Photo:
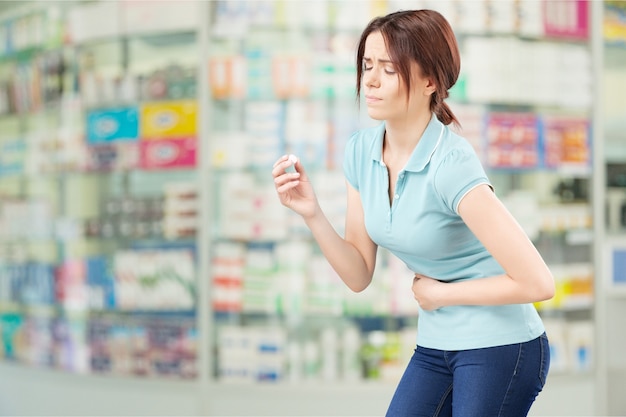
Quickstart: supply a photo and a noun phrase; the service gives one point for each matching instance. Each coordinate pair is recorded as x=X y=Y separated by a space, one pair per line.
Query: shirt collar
x=423 y=151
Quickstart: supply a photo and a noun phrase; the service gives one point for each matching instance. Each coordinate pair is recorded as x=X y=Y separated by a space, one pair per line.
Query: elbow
x=546 y=294
x=360 y=286
x=546 y=290
x=357 y=288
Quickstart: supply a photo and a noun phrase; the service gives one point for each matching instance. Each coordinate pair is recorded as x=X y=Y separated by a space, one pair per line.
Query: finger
x=280 y=166
x=283 y=163
x=286 y=178
x=287 y=186
x=279 y=160
x=300 y=169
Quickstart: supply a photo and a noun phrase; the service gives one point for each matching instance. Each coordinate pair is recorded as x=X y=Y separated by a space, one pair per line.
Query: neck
x=402 y=136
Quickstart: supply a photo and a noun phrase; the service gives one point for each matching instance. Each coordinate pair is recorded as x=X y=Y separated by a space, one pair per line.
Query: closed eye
x=389 y=68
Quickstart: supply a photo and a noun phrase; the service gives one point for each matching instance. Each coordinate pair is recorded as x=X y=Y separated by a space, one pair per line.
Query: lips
x=372 y=99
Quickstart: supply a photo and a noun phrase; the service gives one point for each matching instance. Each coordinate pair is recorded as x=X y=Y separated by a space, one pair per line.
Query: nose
x=370 y=78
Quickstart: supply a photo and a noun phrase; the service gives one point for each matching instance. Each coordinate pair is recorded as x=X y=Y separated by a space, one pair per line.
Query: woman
x=418 y=189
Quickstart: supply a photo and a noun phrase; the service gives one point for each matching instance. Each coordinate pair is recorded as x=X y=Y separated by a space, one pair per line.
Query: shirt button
x=396 y=196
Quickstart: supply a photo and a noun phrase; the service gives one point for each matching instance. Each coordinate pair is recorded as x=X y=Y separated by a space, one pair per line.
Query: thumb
x=300 y=169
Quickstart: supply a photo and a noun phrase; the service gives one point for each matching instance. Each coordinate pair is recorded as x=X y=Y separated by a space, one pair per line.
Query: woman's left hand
x=427 y=291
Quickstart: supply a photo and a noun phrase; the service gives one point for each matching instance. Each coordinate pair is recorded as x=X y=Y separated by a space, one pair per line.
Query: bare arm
x=526 y=279
x=352 y=257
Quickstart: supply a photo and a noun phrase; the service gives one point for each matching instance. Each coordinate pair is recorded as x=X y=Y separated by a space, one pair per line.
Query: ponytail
x=442 y=110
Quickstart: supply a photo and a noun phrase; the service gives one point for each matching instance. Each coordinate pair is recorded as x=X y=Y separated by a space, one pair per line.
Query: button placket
x=399 y=186
x=386 y=177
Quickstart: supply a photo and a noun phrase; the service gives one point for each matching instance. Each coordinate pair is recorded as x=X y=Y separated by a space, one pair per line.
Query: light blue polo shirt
x=422 y=227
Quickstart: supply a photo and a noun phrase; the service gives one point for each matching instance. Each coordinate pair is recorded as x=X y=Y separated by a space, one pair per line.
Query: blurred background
x=146 y=266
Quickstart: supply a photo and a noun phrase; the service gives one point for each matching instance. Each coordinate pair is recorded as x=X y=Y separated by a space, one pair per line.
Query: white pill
x=293 y=159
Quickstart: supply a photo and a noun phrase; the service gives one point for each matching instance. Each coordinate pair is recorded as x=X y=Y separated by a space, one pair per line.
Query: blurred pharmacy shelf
x=610 y=210
x=146 y=266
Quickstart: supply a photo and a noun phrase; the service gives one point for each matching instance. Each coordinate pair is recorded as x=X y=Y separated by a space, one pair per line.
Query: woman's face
x=385 y=92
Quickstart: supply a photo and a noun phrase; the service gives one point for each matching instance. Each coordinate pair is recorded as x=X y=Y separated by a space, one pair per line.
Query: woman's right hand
x=294 y=188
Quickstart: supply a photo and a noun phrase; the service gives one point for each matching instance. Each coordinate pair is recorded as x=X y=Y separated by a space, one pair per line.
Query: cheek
x=400 y=94
x=396 y=86
x=400 y=102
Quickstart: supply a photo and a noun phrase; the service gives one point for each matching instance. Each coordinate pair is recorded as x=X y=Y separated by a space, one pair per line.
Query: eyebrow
x=387 y=61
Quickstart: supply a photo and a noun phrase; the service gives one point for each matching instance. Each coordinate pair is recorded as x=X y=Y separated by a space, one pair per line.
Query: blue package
x=113 y=125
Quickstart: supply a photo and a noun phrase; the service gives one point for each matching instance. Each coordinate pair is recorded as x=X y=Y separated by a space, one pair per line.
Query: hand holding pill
x=293 y=160
x=293 y=186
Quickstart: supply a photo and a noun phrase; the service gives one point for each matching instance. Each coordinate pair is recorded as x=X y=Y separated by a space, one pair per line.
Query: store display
x=78 y=127
x=168 y=153
x=113 y=125
x=143 y=347
x=568 y=20
x=614 y=28
x=567 y=143
x=619 y=266
x=99 y=102
x=513 y=140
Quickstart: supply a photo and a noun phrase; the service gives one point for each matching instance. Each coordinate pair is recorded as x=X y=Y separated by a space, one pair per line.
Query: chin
x=373 y=114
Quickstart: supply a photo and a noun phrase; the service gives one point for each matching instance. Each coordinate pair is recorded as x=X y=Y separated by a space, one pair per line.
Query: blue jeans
x=501 y=381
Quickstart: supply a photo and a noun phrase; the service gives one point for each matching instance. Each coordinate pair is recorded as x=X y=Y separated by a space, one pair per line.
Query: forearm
x=495 y=290
x=344 y=257
x=526 y=276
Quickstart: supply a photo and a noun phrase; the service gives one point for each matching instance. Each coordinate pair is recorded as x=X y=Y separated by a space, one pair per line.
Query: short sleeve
x=459 y=172
x=350 y=159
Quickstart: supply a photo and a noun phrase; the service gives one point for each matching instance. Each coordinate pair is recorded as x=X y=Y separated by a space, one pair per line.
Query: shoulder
x=453 y=152
x=452 y=144
x=364 y=144
x=457 y=169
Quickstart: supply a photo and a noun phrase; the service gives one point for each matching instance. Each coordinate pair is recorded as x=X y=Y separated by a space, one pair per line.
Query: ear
x=429 y=87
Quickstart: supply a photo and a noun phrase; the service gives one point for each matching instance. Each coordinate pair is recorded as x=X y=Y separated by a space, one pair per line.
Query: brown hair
x=424 y=37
